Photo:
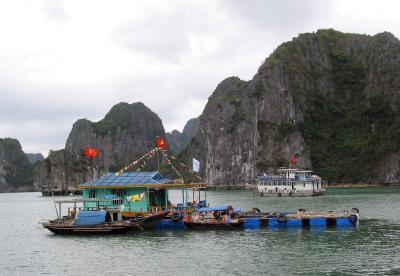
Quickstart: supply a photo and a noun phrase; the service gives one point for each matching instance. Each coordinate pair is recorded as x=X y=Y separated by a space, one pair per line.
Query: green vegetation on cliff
x=351 y=128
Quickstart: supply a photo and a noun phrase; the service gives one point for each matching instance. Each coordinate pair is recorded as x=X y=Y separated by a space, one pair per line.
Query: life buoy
x=235 y=215
x=217 y=215
x=176 y=216
x=281 y=218
x=353 y=219
x=188 y=218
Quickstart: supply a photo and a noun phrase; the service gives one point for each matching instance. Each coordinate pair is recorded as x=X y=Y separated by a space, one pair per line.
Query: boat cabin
x=291 y=182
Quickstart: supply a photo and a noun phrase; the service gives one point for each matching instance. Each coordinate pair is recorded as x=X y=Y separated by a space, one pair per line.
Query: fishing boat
x=150 y=221
x=209 y=218
x=289 y=182
x=91 y=222
x=98 y=215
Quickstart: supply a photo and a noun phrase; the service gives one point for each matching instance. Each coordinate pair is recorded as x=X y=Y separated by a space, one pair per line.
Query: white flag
x=196 y=165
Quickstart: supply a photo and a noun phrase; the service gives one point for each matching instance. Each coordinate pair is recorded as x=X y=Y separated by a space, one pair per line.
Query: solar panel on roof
x=129 y=178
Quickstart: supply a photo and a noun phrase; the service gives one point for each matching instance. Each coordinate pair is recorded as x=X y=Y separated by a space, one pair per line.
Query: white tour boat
x=290 y=182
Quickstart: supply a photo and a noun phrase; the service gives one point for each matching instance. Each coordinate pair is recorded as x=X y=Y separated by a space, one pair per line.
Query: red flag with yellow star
x=161 y=143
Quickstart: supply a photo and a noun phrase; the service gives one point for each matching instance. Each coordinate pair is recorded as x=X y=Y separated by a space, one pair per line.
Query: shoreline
x=360 y=185
x=239 y=188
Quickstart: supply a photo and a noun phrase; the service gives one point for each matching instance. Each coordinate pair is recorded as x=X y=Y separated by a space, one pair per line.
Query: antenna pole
x=54 y=201
x=158 y=159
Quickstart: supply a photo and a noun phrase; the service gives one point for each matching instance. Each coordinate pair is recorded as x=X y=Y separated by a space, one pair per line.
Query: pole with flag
x=196 y=165
x=293 y=159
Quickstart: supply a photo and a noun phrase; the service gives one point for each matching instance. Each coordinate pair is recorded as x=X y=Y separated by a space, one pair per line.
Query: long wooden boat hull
x=150 y=222
x=68 y=229
x=213 y=226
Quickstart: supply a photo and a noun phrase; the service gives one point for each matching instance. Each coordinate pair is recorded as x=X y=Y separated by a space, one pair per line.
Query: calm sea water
x=371 y=249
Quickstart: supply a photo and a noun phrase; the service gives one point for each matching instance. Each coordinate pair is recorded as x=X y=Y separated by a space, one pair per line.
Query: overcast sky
x=65 y=60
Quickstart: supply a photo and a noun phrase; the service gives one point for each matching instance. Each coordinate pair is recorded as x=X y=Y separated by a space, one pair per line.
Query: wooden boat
x=150 y=221
x=214 y=218
x=91 y=229
x=99 y=222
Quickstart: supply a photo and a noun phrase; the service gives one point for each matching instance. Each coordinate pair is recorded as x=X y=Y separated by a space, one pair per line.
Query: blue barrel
x=252 y=223
x=273 y=222
x=317 y=221
x=293 y=223
x=344 y=222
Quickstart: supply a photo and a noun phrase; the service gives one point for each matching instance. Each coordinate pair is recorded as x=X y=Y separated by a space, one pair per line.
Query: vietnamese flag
x=293 y=160
x=161 y=143
x=91 y=152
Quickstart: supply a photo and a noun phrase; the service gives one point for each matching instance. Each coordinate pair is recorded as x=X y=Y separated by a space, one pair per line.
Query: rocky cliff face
x=15 y=169
x=125 y=133
x=178 y=141
x=332 y=96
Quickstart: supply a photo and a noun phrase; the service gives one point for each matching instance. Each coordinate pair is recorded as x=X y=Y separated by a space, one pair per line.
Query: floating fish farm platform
x=299 y=219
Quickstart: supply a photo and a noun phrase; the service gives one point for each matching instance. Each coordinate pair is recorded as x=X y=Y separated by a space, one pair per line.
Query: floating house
x=131 y=194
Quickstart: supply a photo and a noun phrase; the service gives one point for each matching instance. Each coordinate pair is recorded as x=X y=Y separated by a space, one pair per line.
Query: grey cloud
x=277 y=15
x=54 y=10
x=164 y=35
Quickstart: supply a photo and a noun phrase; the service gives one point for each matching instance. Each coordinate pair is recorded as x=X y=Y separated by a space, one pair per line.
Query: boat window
x=92 y=193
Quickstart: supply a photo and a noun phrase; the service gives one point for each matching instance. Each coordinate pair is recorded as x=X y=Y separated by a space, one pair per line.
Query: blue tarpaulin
x=210 y=209
x=90 y=217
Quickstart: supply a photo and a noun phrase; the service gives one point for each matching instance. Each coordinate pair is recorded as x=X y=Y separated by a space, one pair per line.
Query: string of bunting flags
x=161 y=147
x=143 y=158
x=168 y=159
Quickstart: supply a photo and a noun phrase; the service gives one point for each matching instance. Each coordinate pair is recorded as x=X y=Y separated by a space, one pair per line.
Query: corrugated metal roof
x=128 y=179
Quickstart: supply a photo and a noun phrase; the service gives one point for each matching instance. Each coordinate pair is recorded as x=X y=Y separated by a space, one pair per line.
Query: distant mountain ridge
x=178 y=141
x=16 y=172
x=34 y=157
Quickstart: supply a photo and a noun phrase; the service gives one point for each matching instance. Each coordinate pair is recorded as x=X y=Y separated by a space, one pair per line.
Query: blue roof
x=128 y=179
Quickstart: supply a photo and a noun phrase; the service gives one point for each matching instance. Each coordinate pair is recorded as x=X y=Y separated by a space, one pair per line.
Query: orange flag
x=91 y=152
x=161 y=143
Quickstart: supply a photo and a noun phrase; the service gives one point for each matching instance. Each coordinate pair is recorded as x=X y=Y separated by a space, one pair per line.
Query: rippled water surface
x=371 y=249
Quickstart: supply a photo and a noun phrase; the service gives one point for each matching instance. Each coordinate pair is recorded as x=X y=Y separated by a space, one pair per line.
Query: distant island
x=329 y=95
